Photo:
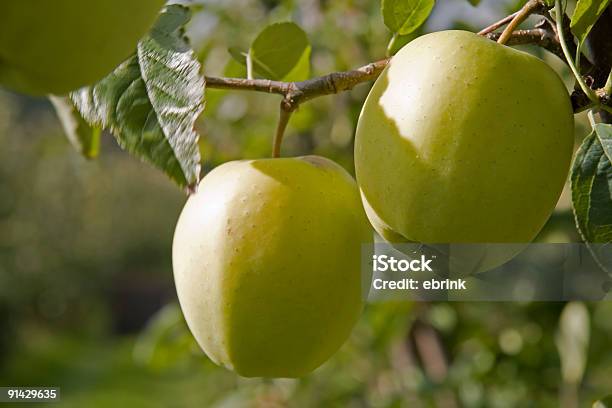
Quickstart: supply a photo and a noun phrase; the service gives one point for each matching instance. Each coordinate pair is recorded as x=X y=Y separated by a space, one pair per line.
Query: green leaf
x=585 y=16
x=405 y=16
x=281 y=52
x=238 y=54
x=604 y=402
x=592 y=185
x=84 y=137
x=474 y=2
x=592 y=192
x=151 y=102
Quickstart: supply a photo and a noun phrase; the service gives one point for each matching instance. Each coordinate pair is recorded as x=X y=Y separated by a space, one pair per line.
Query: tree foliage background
x=86 y=293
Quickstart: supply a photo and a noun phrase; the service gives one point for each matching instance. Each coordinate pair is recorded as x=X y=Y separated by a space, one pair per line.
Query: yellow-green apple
x=267 y=263
x=463 y=140
x=56 y=46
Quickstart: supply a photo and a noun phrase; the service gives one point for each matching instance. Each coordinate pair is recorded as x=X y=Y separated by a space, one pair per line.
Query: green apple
x=463 y=140
x=267 y=263
x=56 y=46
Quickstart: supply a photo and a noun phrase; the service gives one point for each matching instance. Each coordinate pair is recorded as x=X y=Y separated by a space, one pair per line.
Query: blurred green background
x=87 y=301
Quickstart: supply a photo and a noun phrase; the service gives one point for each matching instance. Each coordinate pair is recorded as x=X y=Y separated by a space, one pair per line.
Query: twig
x=528 y=9
x=542 y=37
x=259 y=85
x=497 y=24
x=296 y=93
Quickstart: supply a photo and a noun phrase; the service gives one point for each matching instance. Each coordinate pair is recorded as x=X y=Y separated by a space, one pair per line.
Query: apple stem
x=528 y=9
x=283 y=120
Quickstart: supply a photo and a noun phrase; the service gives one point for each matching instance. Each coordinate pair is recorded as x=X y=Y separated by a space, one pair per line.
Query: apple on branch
x=267 y=263
x=54 y=47
x=463 y=140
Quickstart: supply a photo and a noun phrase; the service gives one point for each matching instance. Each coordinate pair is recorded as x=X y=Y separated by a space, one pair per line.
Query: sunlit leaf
x=151 y=102
x=585 y=16
x=405 y=16
x=238 y=54
x=84 y=137
x=592 y=190
x=281 y=52
x=592 y=185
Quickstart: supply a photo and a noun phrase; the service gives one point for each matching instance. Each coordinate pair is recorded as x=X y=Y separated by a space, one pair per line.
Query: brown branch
x=497 y=24
x=545 y=35
x=259 y=85
x=542 y=37
x=531 y=7
x=296 y=93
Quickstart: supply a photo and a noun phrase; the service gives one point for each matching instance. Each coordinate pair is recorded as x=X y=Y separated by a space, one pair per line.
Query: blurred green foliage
x=85 y=262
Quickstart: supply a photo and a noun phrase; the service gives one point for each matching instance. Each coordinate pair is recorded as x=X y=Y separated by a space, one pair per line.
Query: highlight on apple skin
x=67 y=44
x=266 y=262
x=451 y=142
